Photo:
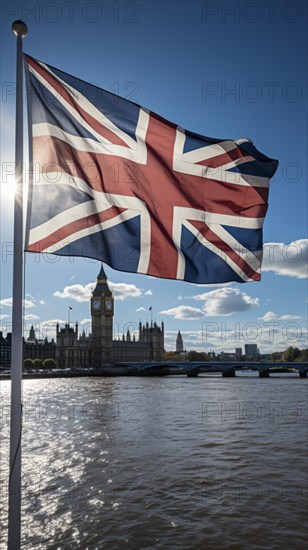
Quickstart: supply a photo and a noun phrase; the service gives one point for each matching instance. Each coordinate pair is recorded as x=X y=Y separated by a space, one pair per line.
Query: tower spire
x=102 y=274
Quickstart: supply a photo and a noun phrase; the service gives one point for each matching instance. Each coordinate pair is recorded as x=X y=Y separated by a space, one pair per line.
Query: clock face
x=96 y=304
x=108 y=304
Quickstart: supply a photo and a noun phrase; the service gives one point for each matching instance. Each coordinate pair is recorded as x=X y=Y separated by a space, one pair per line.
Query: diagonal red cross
x=155 y=183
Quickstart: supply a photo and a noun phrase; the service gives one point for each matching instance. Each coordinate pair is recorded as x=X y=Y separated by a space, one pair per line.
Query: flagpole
x=14 y=509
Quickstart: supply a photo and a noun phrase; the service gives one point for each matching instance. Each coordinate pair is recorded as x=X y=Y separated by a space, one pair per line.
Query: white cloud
x=7 y=302
x=29 y=303
x=286 y=259
x=225 y=301
x=85 y=325
x=83 y=293
x=3 y=317
x=80 y=293
x=30 y=317
x=271 y=316
x=47 y=329
x=268 y=316
x=141 y=309
x=42 y=302
x=184 y=312
x=122 y=291
x=86 y=321
x=289 y=317
x=180 y=297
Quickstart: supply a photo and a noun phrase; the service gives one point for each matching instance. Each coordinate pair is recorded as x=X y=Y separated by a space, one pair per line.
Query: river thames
x=161 y=463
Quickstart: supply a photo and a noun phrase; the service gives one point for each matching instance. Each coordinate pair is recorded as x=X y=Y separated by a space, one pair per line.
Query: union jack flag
x=116 y=182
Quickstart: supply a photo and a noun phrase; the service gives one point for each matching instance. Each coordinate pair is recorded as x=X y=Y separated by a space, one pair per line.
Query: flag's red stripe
x=98 y=171
x=71 y=228
x=211 y=236
x=62 y=92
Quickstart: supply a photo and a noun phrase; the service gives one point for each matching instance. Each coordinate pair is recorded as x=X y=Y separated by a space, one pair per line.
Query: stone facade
x=39 y=348
x=100 y=348
x=72 y=351
x=148 y=347
x=179 y=347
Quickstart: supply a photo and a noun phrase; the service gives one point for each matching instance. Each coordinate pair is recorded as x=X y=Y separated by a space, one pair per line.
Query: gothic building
x=100 y=348
x=38 y=348
x=179 y=348
x=72 y=350
x=148 y=347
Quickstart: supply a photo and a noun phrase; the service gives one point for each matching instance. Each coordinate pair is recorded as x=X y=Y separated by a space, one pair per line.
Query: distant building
x=148 y=347
x=238 y=352
x=36 y=348
x=72 y=351
x=5 y=352
x=227 y=356
x=179 y=343
x=251 y=350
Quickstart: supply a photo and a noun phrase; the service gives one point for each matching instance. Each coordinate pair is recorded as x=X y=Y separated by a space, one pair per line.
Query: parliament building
x=99 y=348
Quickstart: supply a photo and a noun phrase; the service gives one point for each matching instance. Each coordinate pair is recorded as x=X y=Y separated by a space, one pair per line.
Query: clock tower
x=102 y=321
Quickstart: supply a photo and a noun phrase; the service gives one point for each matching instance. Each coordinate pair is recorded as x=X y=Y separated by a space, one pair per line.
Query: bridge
x=227 y=368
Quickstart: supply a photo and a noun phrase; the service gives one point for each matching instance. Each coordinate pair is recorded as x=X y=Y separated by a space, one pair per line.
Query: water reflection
x=162 y=462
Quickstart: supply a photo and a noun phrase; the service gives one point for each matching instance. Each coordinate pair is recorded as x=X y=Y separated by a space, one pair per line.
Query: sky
x=221 y=69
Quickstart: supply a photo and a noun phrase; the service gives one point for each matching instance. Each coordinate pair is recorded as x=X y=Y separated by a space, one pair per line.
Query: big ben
x=102 y=321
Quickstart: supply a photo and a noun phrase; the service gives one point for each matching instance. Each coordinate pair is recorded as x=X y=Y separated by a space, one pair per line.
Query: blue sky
x=222 y=69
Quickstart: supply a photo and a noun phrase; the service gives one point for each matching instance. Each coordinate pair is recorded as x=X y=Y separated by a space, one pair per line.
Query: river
x=161 y=463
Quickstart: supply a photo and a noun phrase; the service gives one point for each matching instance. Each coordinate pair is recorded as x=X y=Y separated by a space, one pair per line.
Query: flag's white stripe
x=180 y=164
x=236 y=162
x=221 y=219
x=101 y=202
x=210 y=151
x=138 y=150
x=124 y=216
x=176 y=236
x=88 y=145
x=84 y=103
x=182 y=216
x=216 y=250
x=221 y=174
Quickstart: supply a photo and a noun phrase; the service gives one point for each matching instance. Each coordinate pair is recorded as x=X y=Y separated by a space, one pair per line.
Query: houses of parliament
x=99 y=348
x=72 y=349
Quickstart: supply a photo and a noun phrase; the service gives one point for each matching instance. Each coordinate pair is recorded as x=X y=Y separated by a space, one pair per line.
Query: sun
x=7 y=189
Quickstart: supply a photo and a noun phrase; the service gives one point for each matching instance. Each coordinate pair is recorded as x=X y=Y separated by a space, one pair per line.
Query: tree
x=38 y=363
x=49 y=364
x=292 y=354
x=304 y=355
x=276 y=356
x=173 y=356
x=196 y=356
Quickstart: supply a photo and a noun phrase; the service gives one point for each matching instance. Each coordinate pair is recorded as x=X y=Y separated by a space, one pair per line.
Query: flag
x=69 y=307
x=150 y=308
x=116 y=182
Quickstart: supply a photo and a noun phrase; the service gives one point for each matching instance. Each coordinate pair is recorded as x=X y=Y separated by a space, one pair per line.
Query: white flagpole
x=14 y=526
